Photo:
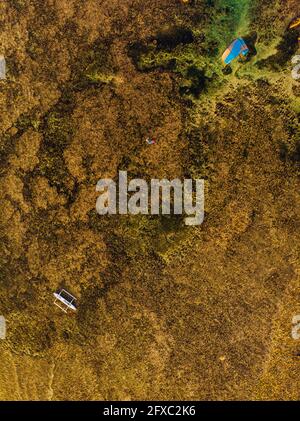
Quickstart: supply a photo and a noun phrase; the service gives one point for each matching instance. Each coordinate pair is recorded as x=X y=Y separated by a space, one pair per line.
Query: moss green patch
x=190 y=54
x=19 y=5
x=57 y=132
x=286 y=49
x=183 y=59
x=94 y=66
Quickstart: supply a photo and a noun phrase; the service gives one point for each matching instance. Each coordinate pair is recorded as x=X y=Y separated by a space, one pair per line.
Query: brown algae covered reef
x=165 y=311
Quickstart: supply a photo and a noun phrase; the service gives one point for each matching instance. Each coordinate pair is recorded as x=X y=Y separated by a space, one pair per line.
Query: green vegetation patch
x=94 y=67
x=57 y=129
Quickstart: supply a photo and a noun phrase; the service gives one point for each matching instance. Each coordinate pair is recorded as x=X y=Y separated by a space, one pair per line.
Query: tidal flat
x=165 y=311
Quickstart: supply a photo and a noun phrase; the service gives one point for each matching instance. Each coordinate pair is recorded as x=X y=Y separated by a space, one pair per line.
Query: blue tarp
x=234 y=50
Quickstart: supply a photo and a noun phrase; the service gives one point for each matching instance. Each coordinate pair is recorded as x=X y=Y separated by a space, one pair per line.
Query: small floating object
x=150 y=141
x=295 y=23
x=2 y=67
x=2 y=327
x=237 y=48
x=64 y=300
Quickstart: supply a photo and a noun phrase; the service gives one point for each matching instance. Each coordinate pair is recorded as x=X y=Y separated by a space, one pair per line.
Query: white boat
x=66 y=298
